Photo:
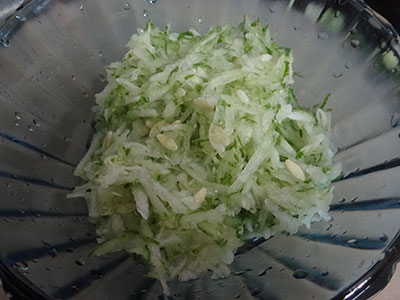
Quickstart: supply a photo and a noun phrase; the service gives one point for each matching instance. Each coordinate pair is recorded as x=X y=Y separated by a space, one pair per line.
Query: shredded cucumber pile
x=200 y=144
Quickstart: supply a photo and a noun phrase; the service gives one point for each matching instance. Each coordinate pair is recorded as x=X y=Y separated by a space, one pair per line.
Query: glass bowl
x=52 y=63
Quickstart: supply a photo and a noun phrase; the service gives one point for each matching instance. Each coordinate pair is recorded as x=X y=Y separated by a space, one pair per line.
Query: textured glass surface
x=51 y=66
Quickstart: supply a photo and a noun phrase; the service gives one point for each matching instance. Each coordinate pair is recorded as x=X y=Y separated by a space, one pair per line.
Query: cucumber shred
x=201 y=144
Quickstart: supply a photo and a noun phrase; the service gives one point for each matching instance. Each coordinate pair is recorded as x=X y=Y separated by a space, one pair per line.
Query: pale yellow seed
x=167 y=142
x=107 y=140
x=176 y=122
x=180 y=93
x=295 y=170
x=218 y=139
x=203 y=103
x=200 y=195
x=149 y=123
x=126 y=208
x=116 y=194
x=154 y=130
x=243 y=96
x=221 y=136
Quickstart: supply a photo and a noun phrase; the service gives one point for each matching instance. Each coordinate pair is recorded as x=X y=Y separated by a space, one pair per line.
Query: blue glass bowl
x=52 y=63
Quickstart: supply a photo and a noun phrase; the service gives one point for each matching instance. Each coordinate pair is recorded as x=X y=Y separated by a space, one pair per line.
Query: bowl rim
x=368 y=285
x=379 y=275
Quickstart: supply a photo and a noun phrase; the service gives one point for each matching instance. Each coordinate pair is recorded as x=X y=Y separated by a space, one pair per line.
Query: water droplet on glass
x=100 y=53
x=355 y=43
x=237 y=296
x=324 y=274
x=352 y=241
x=6 y=43
x=354 y=199
x=328 y=227
x=347 y=65
x=153 y=1
x=19 y=18
x=264 y=271
x=81 y=7
x=145 y=13
x=73 y=77
x=395 y=120
x=383 y=238
x=271 y=10
x=102 y=78
x=322 y=36
x=43 y=156
x=353 y=31
x=23 y=266
x=30 y=128
x=16 y=123
x=85 y=94
x=79 y=262
x=337 y=74
x=297 y=27
x=96 y=273
x=8 y=185
x=36 y=123
x=127 y=6
x=53 y=252
x=200 y=20
x=300 y=274
x=17 y=116
x=238 y=273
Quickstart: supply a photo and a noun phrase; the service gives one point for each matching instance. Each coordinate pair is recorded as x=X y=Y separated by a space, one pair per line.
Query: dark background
x=390 y=9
